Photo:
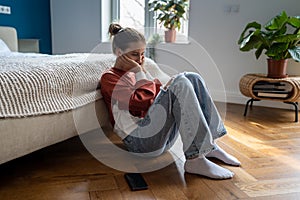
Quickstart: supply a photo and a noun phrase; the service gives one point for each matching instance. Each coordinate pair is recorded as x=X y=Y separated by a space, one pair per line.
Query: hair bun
x=114 y=29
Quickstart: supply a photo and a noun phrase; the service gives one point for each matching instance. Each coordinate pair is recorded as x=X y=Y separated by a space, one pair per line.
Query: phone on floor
x=136 y=181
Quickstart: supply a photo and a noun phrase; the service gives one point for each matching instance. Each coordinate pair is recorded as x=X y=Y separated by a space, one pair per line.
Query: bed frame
x=9 y=36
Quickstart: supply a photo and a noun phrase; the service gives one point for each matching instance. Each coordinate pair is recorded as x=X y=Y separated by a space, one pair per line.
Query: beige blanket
x=34 y=84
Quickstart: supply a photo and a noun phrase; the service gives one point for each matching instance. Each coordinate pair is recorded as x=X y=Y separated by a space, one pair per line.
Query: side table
x=260 y=87
x=29 y=45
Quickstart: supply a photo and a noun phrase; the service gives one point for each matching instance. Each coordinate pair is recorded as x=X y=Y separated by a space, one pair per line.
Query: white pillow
x=3 y=47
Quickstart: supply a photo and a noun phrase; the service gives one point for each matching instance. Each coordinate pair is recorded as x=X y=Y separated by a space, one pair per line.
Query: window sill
x=180 y=40
x=175 y=43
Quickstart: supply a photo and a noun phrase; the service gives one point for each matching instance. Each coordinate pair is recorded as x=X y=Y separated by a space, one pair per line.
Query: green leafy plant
x=280 y=37
x=169 y=12
x=154 y=40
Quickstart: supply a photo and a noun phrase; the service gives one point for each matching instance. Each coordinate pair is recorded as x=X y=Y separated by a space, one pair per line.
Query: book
x=282 y=87
x=270 y=83
x=272 y=94
x=270 y=90
x=263 y=86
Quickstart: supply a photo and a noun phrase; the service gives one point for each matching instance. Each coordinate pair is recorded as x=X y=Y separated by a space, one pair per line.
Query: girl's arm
x=132 y=95
x=168 y=83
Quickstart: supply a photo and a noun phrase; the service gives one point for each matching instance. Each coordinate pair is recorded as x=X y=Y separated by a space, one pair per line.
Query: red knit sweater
x=121 y=86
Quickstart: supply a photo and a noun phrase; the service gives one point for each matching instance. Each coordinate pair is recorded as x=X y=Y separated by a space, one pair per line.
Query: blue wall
x=31 y=18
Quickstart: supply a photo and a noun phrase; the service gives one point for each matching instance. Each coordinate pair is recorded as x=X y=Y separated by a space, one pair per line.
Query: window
x=134 y=13
x=131 y=13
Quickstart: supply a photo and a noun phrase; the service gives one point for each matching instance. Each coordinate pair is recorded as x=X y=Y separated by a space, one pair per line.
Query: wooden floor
x=267 y=142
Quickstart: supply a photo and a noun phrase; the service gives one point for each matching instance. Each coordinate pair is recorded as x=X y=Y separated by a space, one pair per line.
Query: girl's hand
x=124 y=63
x=168 y=83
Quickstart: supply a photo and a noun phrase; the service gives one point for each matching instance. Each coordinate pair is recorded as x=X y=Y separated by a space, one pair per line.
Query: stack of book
x=273 y=90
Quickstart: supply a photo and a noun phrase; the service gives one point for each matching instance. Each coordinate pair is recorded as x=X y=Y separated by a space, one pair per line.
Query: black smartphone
x=136 y=181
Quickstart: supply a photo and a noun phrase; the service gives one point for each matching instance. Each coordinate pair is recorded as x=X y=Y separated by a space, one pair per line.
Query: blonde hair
x=122 y=37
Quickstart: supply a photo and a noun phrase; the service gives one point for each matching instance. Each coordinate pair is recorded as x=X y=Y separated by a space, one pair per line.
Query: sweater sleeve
x=131 y=94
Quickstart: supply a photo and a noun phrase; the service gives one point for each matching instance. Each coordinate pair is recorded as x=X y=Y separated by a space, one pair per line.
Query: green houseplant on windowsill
x=153 y=41
x=279 y=38
x=169 y=13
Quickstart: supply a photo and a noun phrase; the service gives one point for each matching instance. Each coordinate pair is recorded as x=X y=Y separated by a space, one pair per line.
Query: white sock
x=203 y=166
x=220 y=154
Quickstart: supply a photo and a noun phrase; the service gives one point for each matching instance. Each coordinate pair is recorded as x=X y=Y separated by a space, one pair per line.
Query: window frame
x=115 y=10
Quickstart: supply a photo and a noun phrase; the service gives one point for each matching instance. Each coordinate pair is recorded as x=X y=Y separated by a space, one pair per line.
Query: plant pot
x=170 y=35
x=277 y=68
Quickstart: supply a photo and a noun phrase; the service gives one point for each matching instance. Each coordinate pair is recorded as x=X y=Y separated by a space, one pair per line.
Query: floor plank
x=270 y=187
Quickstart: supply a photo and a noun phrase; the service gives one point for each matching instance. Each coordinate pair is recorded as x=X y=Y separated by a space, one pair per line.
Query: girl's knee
x=181 y=81
x=192 y=76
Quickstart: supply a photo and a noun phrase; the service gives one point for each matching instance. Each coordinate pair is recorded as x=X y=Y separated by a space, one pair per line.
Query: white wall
x=218 y=31
x=76 y=25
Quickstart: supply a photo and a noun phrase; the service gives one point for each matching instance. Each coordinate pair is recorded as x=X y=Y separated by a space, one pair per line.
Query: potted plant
x=279 y=38
x=169 y=13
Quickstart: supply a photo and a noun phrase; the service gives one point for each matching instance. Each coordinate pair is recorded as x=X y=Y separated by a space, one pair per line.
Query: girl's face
x=136 y=52
x=138 y=55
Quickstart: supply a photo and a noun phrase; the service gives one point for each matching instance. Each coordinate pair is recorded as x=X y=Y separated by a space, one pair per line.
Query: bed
x=44 y=99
